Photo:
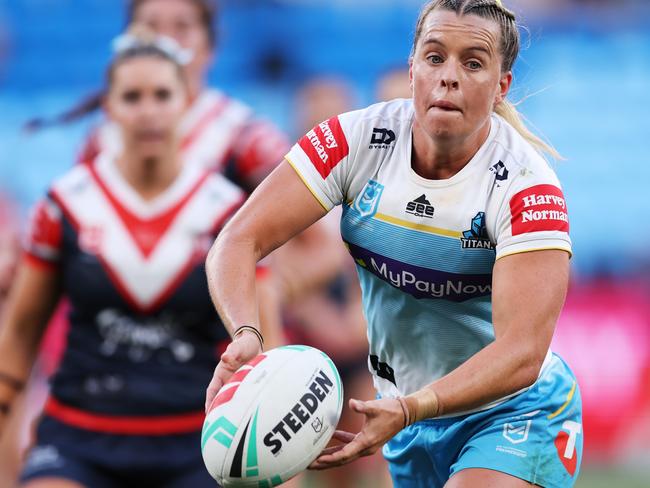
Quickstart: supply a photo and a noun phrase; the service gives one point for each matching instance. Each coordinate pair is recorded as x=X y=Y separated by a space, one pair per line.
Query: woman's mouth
x=446 y=106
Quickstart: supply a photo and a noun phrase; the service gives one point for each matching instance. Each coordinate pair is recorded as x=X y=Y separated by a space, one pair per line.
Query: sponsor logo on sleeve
x=539 y=208
x=325 y=145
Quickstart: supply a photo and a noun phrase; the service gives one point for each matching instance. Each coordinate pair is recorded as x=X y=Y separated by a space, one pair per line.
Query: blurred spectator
x=319 y=99
x=394 y=83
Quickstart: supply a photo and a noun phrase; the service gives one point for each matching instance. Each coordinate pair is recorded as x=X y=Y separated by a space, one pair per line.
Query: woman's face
x=180 y=20
x=147 y=98
x=456 y=75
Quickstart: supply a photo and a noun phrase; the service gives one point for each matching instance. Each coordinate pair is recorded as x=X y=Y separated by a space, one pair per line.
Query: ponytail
x=84 y=107
x=510 y=114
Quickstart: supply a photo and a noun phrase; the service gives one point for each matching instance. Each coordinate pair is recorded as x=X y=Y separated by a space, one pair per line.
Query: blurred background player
x=124 y=239
x=217 y=132
x=393 y=83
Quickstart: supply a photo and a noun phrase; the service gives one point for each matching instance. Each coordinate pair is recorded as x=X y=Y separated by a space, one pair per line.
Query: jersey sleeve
x=43 y=239
x=322 y=160
x=90 y=148
x=532 y=215
x=258 y=150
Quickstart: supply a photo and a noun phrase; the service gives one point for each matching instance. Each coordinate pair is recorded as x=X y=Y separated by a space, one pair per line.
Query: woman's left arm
x=528 y=291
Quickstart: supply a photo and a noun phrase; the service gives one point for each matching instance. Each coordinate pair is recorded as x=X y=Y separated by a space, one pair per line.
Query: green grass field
x=613 y=478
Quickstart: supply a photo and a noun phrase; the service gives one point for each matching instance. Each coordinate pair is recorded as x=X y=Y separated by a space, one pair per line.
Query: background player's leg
x=52 y=483
x=485 y=478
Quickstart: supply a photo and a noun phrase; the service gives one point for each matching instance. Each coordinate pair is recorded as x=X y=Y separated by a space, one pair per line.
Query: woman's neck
x=149 y=177
x=440 y=159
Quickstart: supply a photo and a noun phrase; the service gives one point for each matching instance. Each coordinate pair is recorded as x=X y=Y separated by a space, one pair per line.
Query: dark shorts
x=98 y=460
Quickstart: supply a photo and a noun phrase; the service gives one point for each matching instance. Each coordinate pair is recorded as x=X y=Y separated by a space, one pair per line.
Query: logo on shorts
x=565 y=443
x=368 y=201
x=381 y=138
x=476 y=237
x=516 y=433
x=420 y=207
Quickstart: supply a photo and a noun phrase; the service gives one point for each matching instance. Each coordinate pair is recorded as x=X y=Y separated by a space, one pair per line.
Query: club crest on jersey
x=368 y=200
x=476 y=237
x=420 y=207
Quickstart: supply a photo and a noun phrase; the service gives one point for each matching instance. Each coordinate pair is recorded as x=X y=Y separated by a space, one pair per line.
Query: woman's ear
x=504 y=87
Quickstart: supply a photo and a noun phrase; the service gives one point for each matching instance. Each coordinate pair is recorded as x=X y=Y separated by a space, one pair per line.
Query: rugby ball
x=272 y=418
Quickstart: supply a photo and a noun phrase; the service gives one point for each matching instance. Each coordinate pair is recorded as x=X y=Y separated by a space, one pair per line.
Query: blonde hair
x=509 y=49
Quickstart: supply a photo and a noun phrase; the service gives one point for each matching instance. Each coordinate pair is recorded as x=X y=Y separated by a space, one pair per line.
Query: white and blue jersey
x=425 y=249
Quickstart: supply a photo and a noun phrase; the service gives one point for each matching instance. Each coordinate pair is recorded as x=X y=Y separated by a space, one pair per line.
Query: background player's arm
x=281 y=207
x=34 y=295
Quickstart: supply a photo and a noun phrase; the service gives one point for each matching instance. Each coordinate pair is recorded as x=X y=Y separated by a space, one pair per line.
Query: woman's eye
x=474 y=65
x=435 y=59
x=163 y=94
x=131 y=96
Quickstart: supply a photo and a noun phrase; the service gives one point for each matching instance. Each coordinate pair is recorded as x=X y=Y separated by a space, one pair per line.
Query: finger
x=360 y=407
x=343 y=436
x=348 y=453
x=331 y=450
x=212 y=390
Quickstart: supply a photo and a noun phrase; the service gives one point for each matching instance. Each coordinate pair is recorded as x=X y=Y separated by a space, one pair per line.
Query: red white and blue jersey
x=425 y=249
x=218 y=133
x=143 y=331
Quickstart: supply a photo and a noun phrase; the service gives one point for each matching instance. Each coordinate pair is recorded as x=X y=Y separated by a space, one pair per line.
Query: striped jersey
x=218 y=133
x=143 y=332
x=425 y=249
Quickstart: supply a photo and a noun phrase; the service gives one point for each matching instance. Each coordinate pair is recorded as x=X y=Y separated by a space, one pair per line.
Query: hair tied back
x=139 y=36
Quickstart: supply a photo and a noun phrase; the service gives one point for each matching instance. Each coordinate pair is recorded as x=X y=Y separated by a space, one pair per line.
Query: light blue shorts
x=536 y=436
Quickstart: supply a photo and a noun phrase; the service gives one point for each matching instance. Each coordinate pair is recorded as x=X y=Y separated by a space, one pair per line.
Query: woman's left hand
x=384 y=419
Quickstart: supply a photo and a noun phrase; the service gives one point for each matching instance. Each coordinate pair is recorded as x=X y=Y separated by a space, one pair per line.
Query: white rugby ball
x=273 y=417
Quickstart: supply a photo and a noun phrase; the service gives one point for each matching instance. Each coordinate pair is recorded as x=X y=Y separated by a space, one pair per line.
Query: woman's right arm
x=33 y=297
x=281 y=207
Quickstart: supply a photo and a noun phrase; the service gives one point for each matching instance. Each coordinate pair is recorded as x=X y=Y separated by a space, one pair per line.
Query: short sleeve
x=321 y=159
x=42 y=243
x=90 y=148
x=533 y=216
x=258 y=150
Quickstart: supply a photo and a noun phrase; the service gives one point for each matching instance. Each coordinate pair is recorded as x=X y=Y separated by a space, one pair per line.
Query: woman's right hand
x=241 y=350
